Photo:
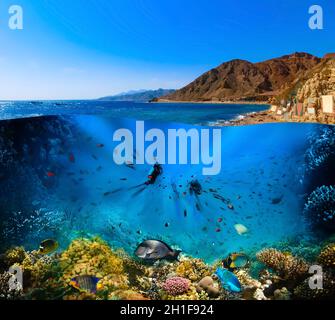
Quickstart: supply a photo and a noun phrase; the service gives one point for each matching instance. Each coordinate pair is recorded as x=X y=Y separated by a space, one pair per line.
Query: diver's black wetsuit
x=195 y=190
x=195 y=187
x=154 y=174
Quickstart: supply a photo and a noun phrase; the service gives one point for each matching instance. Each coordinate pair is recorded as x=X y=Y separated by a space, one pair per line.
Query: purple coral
x=176 y=286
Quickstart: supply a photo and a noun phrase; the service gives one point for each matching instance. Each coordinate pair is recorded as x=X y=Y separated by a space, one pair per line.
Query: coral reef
x=304 y=292
x=286 y=266
x=34 y=266
x=282 y=294
x=14 y=256
x=93 y=257
x=176 y=286
x=8 y=292
x=193 y=269
x=320 y=207
x=125 y=278
x=327 y=256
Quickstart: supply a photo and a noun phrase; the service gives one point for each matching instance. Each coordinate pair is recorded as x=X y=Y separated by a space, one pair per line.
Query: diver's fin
x=138 y=192
x=135 y=187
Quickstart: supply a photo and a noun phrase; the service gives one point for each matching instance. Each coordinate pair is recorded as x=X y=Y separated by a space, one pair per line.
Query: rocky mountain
x=139 y=96
x=240 y=80
x=315 y=83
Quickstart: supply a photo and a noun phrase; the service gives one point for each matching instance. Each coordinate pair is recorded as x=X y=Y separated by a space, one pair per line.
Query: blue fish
x=228 y=280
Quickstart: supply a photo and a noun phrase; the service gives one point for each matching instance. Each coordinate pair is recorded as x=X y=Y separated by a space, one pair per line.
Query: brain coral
x=176 y=286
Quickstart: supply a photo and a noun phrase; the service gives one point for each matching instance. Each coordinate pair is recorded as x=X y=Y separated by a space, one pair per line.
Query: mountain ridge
x=139 y=95
x=242 y=80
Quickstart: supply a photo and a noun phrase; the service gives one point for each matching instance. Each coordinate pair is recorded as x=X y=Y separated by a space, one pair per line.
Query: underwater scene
x=81 y=227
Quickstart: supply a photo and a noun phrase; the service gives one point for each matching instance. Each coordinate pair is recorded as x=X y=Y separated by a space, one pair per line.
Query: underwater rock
x=252 y=293
x=208 y=285
x=282 y=294
x=320 y=208
x=286 y=266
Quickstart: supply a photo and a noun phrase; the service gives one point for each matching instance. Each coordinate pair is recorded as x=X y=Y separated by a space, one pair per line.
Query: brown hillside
x=239 y=80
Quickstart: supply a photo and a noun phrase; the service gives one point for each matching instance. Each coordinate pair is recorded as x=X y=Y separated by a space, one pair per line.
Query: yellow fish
x=48 y=246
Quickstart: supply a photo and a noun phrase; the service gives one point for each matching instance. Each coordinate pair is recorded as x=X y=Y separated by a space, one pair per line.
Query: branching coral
x=327 y=256
x=286 y=266
x=35 y=267
x=94 y=258
x=193 y=269
x=14 y=256
x=320 y=207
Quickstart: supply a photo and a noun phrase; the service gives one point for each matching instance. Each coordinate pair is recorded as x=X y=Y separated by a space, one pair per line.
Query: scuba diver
x=195 y=189
x=154 y=173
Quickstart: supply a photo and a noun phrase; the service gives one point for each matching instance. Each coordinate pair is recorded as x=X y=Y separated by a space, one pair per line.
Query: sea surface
x=197 y=114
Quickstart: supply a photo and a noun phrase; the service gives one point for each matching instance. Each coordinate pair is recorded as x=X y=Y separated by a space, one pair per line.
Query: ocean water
x=62 y=183
x=198 y=114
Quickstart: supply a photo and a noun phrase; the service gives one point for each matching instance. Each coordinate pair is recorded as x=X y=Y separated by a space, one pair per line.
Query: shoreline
x=214 y=102
x=263 y=117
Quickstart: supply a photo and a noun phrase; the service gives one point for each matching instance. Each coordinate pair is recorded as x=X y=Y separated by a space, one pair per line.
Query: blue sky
x=75 y=49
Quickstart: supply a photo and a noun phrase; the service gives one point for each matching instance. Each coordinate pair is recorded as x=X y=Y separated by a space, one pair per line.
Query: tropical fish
x=72 y=158
x=231 y=206
x=48 y=246
x=241 y=229
x=236 y=261
x=100 y=145
x=156 y=250
x=85 y=284
x=51 y=174
x=228 y=280
x=277 y=200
